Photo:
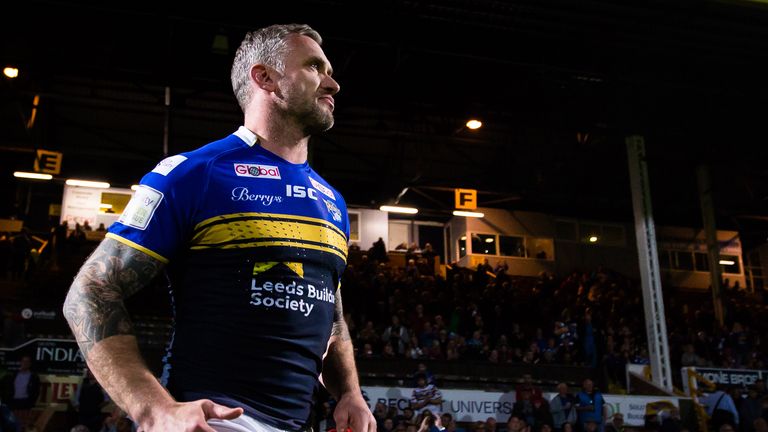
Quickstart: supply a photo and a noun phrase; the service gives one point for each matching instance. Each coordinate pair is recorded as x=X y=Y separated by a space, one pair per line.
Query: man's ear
x=264 y=77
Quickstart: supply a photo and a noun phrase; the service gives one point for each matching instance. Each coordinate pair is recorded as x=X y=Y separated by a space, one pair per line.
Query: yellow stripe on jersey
x=270 y=216
x=138 y=247
x=245 y=230
x=297 y=268
x=261 y=267
x=265 y=243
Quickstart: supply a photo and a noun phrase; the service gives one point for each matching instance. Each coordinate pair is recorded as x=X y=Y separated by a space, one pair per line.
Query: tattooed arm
x=340 y=378
x=97 y=316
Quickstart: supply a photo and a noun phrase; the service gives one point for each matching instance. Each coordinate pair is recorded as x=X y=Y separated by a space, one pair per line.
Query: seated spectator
x=449 y=423
x=616 y=424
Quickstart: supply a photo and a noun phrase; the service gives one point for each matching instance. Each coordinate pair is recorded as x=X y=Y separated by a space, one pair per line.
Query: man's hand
x=187 y=417
x=352 y=412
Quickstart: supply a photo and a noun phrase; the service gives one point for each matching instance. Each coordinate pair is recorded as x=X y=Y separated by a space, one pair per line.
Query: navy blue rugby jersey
x=256 y=247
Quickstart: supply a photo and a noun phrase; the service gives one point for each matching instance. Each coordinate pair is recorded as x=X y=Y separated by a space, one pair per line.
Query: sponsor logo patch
x=296 y=191
x=257 y=171
x=243 y=194
x=168 y=164
x=333 y=210
x=141 y=208
x=322 y=188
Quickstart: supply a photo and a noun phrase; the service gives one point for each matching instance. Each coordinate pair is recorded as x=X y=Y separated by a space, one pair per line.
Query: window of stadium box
x=484 y=244
x=696 y=261
x=511 y=246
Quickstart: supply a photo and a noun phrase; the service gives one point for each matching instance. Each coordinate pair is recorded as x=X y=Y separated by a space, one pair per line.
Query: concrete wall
x=373 y=224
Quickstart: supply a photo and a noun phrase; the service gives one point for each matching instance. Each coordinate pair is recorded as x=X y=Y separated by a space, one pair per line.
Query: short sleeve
x=159 y=218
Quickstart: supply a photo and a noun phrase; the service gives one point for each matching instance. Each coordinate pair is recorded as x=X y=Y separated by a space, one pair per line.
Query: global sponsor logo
x=296 y=191
x=241 y=193
x=257 y=171
x=291 y=296
x=322 y=188
x=333 y=210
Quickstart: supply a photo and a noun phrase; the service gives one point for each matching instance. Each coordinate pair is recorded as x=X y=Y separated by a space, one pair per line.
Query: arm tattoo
x=339 y=325
x=94 y=306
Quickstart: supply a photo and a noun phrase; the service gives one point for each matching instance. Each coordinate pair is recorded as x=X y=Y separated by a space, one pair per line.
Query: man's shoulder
x=321 y=184
x=194 y=162
x=214 y=149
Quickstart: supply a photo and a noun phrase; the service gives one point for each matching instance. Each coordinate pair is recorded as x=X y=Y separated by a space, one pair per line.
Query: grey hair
x=264 y=46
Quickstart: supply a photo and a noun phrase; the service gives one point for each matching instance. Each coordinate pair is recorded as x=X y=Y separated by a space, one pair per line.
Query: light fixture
x=105 y=206
x=87 y=183
x=468 y=213
x=489 y=240
x=134 y=187
x=727 y=262
x=32 y=175
x=463 y=238
x=11 y=72
x=593 y=239
x=474 y=124
x=398 y=209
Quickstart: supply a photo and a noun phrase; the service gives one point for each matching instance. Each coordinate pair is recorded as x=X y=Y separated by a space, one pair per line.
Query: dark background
x=558 y=84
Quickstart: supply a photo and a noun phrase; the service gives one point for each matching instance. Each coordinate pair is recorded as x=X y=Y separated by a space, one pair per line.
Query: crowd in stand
x=588 y=318
x=592 y=319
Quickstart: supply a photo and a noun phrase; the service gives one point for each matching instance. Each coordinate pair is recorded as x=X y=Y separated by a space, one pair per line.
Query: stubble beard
x=309 y=115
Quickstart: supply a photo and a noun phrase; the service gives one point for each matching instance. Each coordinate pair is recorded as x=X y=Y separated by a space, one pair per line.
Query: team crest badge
x=333 y=210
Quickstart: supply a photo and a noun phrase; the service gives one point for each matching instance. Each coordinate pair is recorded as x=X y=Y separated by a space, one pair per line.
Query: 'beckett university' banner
x=478 y=405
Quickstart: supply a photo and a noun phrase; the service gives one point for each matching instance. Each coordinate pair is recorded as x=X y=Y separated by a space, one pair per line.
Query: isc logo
x=296 y=191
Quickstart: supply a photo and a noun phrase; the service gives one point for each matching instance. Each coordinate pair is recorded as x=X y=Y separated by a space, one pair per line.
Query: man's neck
x=283 y=140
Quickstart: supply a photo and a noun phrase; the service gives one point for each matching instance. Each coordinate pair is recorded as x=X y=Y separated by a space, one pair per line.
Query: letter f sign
x=466 y=199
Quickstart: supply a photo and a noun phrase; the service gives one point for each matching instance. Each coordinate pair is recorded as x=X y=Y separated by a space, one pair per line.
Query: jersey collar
x=247 y=136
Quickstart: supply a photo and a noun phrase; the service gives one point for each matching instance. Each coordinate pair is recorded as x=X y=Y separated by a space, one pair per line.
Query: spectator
x=690 y=358
x=397 y=335
x=21 y=389
x=750 y=410
x=426 y=396
x=760 y=425
x=91 y=399
x=515 y=423
x=721 y=409
x=616 y=424
x=590 y=406
x=421 y=368
x=562 y=407
x=527 y=384
x=490 y=424
x=523 y=406
x=449 y=423
x=8 y=421
x=378 y=251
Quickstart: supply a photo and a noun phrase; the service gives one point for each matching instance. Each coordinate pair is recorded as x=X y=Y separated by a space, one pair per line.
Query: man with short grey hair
x=254 y=242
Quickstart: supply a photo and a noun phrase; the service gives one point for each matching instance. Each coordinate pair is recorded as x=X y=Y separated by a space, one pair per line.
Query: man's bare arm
x=340 y=378
x=96 y=314
x=94 y=306
x=95 y=311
